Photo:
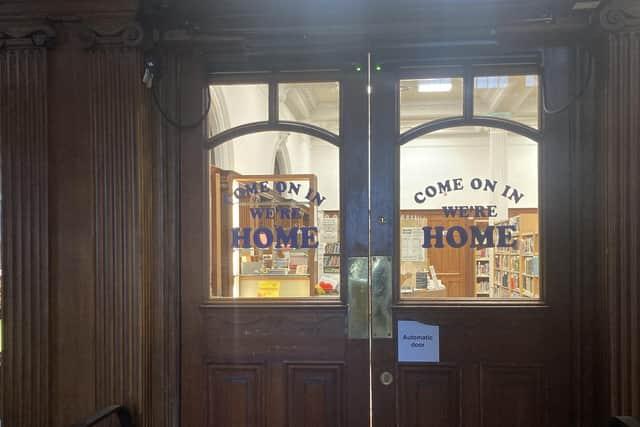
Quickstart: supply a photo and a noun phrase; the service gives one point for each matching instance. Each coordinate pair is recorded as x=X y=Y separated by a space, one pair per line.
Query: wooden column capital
x=125 y=34
x=26 y=35
x=81 y=32
x=620 y=16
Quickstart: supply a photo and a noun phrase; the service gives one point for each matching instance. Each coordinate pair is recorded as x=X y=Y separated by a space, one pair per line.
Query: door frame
x=187 y=74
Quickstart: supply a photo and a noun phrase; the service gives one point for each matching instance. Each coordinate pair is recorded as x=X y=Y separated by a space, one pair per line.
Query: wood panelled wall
x=25 y=242
x=76 y=169
x=620 y=119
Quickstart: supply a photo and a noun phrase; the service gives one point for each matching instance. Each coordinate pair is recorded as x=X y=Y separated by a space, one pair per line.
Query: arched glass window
x=274 y=190
x=469 y=214
x=469 y=184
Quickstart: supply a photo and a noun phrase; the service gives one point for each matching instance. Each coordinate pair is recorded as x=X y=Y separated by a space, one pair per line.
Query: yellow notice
x=268 y=288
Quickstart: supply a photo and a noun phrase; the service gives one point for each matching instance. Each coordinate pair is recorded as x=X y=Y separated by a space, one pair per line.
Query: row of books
x=483 y=267
x=504 y=262
x=483 y=253
x=507 y=280
x=483 y=286
x=332 y=260
x=515 y=263
x=332 y=248
x=528 y=245
x=532 y=265
x=527 y=283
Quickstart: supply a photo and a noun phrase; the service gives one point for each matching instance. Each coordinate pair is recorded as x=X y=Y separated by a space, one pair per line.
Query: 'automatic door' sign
x=491 y=236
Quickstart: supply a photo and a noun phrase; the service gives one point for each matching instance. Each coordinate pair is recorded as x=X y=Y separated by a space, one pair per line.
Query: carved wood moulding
x=87 y=35
x=43 y=8
x=620 y=16
x=28 y=35
x=110 y=34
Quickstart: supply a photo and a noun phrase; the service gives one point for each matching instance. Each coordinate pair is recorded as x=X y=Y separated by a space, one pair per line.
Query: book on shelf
x=332 y=260
x=482 y=268
x=332 y=248
x=528 y=246
x=532 y=266
x=483 y=253
x=483 y=286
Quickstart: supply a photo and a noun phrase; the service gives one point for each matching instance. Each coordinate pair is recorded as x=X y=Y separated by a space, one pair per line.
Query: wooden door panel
x=482 y=333
x=300 y=352
x=315 y=395
x=429 y=395
x=235 y=395
x=261 y=334
x=512 y=396
x=505 y=373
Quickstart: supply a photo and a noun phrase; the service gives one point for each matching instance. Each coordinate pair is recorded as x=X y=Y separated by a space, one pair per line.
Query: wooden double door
x=335 y=361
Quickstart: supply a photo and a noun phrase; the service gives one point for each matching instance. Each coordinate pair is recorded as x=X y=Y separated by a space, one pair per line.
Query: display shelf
x=331 y=258
x=521 y=263
x=483 y=265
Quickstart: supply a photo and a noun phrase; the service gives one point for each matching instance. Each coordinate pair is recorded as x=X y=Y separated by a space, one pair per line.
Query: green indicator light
x=358 y=68
x=378 y=67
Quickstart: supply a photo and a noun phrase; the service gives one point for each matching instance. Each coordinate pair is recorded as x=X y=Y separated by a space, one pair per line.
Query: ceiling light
x=435 y=85
x=586 y=5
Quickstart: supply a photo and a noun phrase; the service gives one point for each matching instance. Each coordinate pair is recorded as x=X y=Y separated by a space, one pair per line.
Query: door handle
x=381 y=297
x=358 y=298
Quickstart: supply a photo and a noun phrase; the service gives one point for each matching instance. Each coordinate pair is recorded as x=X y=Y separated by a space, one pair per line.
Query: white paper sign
x=411 y=241
x=418 y=342
x=329 y=229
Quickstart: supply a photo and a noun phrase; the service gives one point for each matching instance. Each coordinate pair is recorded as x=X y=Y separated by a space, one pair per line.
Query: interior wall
x=427 y=161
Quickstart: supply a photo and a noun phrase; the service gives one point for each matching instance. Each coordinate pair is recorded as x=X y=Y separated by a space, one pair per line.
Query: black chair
x=123 y=414
x=624 y=422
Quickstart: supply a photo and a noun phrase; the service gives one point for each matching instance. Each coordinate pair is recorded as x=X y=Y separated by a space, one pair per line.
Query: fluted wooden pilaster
x=25 y=244
x=119 y=133
x=620 y=114
x=101 y=228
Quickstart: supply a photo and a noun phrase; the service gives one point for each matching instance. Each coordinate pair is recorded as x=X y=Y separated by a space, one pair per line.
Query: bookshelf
x=482 y=265
x=331 y=258
x=516 y=270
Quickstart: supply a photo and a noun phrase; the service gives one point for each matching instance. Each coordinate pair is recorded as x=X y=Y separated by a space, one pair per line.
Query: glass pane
x=508 y=97
x=237 y=104
x=275 y=228
x=469 y=215
x=313 y=103
x=425 y=100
